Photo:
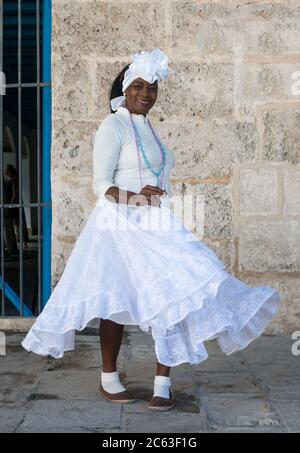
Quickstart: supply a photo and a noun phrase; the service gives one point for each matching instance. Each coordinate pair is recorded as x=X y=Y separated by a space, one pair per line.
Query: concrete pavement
x=254 y=390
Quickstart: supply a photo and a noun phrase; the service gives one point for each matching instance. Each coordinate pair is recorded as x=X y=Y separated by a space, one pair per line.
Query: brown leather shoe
x=158 y=403
x=120 y=397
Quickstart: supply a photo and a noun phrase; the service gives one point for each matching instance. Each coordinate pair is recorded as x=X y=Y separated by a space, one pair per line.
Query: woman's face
x=8 y=172
x=141 y=96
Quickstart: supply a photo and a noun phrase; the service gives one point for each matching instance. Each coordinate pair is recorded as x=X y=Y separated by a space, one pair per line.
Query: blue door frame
x=46 y=161
x=46 y=211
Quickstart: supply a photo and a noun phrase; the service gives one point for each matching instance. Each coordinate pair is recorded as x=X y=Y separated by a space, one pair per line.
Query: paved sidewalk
x=255 y=390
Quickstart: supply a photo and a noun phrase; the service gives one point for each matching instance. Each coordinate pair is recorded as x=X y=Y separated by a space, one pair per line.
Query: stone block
x=219 y=28
x=69 y=384
x=72 y=204
x=72 y=146
x=239 y=411
x=258 y=191
x=72 y=88
x=257 y=82
x=269 y=247
x=203 y=90
x=103 y=28
x=71 y=416
x=206 y=149
x=281 y=137
x=291 y=192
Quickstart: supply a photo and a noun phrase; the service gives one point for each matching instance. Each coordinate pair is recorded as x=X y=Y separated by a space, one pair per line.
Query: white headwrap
x=150 y=66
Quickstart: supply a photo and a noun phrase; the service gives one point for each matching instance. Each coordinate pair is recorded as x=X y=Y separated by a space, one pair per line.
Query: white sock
x=161 y=386
x=111 y=382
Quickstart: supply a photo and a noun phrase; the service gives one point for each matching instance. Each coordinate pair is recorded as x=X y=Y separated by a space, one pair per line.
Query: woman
x=12 y=190
x=161 y=278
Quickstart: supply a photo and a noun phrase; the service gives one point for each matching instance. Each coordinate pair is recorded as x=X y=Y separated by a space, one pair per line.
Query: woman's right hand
x=149 y=195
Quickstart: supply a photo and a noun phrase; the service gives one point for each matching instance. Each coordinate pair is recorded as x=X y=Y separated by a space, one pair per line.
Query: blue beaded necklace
x=141 y=150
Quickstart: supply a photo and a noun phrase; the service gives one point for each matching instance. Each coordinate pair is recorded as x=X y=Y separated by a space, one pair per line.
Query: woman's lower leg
x=110 y=342
x=162 y=370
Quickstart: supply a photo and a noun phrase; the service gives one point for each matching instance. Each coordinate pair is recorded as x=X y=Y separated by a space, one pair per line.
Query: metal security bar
x=10 y=13
x=2 y=282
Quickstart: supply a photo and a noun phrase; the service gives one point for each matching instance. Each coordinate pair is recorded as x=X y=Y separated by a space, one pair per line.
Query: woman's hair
x=12 y=170
x=116 y=88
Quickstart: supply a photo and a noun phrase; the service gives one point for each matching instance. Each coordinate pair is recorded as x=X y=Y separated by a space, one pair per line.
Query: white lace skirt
x=142 y=266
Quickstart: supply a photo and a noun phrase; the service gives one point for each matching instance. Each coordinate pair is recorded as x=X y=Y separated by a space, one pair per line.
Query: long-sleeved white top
x=116 y=159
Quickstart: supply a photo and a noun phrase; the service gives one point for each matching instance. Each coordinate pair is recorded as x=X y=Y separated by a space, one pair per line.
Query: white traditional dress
x=142 y=266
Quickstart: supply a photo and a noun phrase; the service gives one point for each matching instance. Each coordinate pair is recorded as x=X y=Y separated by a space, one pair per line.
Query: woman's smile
x=143 y=103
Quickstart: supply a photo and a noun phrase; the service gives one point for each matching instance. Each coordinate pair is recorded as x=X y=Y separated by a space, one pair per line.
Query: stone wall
x=230 y=111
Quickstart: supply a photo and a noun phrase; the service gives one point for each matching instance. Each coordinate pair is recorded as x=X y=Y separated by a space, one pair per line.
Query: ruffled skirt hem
x=170 y=286
x=179 y=332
